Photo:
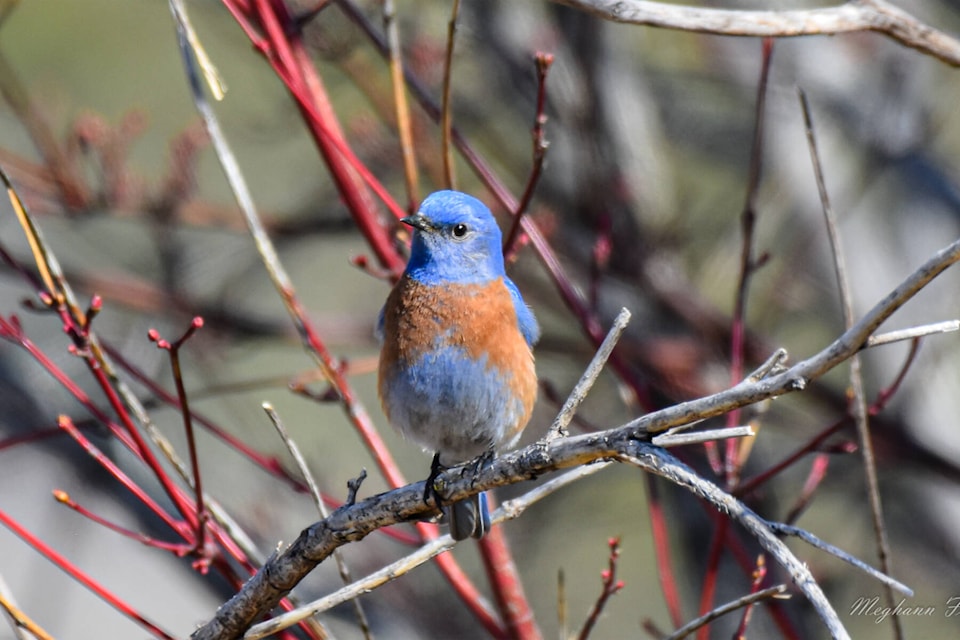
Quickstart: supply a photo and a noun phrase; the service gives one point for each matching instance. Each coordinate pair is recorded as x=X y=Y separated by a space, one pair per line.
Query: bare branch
x=508 y=511
x=814 y=541
x=580 y=391
x=304 y=468
x=744 y=601
x=351 y=523
x=858 y=404
x=658 y=461
x=850 y=17
x=670 y=439
x=947 y=326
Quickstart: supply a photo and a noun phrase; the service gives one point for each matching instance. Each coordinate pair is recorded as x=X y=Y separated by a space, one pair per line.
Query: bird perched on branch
x=456 y=371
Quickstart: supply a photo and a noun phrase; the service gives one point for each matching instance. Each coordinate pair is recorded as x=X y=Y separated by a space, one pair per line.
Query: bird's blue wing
x=525 y=318
x=378 y=328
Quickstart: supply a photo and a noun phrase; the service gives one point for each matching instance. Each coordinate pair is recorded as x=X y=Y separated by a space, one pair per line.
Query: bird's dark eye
x=459 y=230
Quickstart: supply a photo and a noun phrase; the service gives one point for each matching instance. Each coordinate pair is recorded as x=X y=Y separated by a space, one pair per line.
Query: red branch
x=611 y=586
x=77 y=574
x=661 y=543
x=202 y=562
x=510 y=246
x=758 y=576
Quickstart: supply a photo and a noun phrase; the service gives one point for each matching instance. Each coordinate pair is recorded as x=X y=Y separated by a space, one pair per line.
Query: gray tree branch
x=858 y=15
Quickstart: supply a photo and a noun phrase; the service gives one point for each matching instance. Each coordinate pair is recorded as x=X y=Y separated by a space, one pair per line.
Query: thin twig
x=562 y=421
x=18 y=620
x=814 y=541
x=611 y=586
x=731 y=464
x=912 y=333
x=670 y=439
x=759 y=574
x=661 y=533
x=402 y=106
x=724 y=609
x=858 y=404
x=173 y=349
x=749 y=264
x=543 y=62
x=215 y=82
x=64 y=498
x=446 y=115
x=83 y=578
x=818 y=471
x=318 y=502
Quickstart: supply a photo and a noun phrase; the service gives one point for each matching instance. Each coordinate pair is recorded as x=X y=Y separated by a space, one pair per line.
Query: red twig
x=748 y=265
x=758 y=576
x=738 y=552
x=610 y=587
x=446 y=109
x=543 y=61
x=502 y=572
x=885 y=394
x=811 y=445
x=64 y=498
x=818 y=471
x=270 y=464
x=74 y=572
x=661 y=543
x=67 y=425
x=203 y=561
x=708 y=588
x=286 y=55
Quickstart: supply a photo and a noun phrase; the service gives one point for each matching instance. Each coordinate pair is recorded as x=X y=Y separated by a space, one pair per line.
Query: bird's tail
x=468 y=517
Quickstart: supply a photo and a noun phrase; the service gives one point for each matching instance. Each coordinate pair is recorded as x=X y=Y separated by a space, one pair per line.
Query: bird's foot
x=430 y=489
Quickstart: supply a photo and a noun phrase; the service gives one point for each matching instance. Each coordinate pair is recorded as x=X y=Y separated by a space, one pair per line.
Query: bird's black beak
x=418 y=221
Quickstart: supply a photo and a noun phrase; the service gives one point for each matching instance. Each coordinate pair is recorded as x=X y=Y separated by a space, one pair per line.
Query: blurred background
x=650 y=134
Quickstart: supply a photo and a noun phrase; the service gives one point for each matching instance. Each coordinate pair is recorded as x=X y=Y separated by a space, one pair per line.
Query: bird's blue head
x=455 y=239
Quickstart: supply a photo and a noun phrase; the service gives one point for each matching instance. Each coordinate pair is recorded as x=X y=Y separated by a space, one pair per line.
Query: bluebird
x=456 y=372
